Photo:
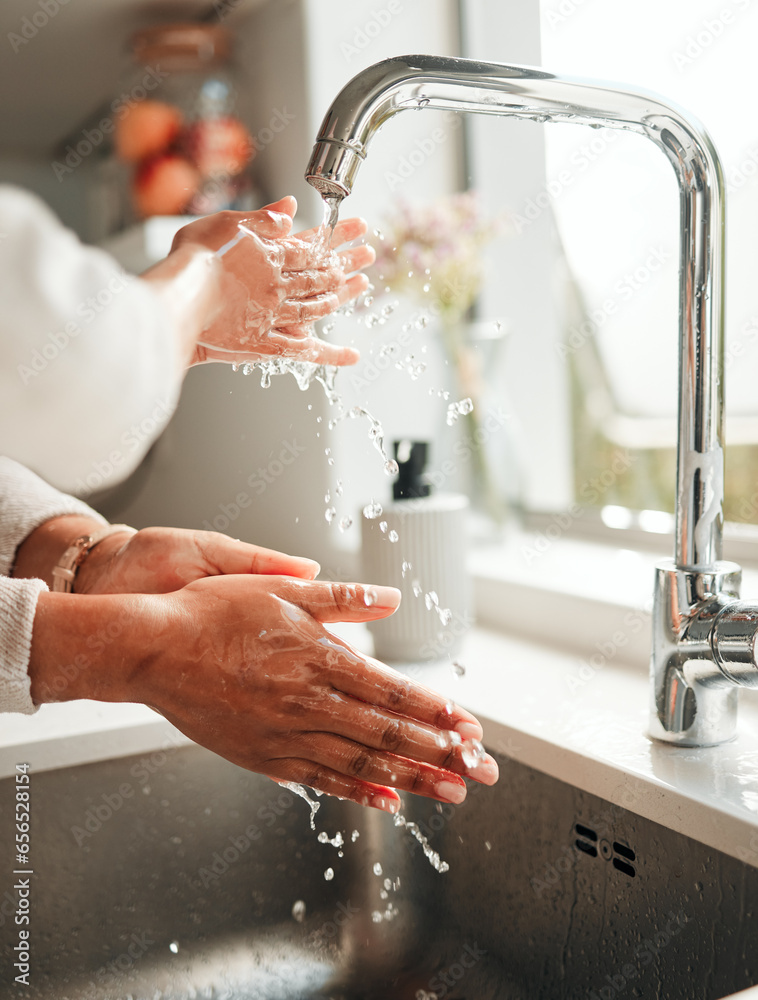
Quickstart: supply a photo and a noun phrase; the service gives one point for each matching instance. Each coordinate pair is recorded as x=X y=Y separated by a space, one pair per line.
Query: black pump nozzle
x=411 y=460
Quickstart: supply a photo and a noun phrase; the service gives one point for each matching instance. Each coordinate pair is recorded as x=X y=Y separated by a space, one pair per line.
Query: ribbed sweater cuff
x=18 y=603
x=26 y=502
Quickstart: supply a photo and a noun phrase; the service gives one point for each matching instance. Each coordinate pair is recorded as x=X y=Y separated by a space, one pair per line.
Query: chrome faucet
x=703 y=637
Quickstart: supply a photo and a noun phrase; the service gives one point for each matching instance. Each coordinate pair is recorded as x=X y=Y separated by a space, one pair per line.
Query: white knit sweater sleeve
x=26 y=502
x=90 y=367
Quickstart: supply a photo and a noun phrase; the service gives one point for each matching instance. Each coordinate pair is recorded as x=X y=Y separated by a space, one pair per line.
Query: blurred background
x=547 y=296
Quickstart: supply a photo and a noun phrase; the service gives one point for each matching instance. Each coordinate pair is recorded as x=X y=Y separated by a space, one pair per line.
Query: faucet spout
x=703 y=637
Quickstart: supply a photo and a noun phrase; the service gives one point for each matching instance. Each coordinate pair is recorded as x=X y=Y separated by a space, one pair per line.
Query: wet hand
x=245 y=666
x=161 y=560
x=273 y=286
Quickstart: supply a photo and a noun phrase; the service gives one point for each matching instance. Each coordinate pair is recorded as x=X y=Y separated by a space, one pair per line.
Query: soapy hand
x=244 y=666
x=214 y=635
x=161 y=560
x=274 y=286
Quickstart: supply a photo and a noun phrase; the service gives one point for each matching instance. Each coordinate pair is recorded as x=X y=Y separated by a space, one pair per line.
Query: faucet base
x=693 y=698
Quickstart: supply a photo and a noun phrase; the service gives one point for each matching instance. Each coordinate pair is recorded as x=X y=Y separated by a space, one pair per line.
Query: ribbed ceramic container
x=431 y=536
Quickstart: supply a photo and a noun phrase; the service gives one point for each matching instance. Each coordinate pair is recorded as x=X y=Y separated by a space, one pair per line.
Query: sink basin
x=177 y=875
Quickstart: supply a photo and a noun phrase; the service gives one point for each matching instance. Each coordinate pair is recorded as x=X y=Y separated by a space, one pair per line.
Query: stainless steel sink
x=178 y=875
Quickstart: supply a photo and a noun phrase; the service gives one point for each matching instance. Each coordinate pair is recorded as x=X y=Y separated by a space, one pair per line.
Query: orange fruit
x=146 y=128
x=218 y=146
x=165 y=185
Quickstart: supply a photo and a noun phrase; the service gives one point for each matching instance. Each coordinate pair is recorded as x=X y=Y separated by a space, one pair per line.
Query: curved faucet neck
x=420 y=81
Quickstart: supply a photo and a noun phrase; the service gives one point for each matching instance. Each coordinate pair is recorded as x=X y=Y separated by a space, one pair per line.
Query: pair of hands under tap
x=227 y=640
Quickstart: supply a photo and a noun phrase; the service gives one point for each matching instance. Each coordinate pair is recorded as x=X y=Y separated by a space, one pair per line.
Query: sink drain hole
x=622 y=866
x=624 y=851
x=585 y=831
x=587 y=848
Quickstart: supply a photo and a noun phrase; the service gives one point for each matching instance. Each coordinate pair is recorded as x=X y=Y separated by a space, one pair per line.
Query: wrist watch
x=65 y=572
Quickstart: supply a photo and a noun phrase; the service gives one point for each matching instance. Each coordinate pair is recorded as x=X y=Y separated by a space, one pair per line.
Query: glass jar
x=180 y=148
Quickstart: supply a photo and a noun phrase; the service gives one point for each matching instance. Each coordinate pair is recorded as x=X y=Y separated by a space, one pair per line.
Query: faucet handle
x=734 y=640
x=703 y=648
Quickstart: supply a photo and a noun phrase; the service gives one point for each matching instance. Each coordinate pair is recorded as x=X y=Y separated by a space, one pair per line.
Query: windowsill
x=588 y=590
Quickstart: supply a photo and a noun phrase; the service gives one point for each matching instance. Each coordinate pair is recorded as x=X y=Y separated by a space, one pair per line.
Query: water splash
x=336 y=841
x=429 y=853
x=455 y=410
x=300 y=790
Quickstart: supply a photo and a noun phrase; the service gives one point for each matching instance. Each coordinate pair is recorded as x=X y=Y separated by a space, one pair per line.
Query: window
x=614 y=200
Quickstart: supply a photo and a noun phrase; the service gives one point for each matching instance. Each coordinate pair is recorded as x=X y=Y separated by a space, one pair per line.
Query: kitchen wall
x=243 y=459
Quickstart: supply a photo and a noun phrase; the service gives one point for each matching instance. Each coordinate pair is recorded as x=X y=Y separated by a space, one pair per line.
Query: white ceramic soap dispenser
x=418 y=544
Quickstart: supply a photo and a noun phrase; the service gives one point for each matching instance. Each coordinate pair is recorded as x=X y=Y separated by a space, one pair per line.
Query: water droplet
x=338 y=489
x=417 y=588
x=458 y=409
x=458 y=669
x=174 y=946
x=488 y=845
x=298 y=910
x=473 y=753
x=345 y=522
x=354 y=835
x=383 y=526
x=391 y=467
x=327 y=496
x=330 y=513
x=393 y=536
x=329 y=874
x=445 y=615
x=372 y=510
x=406 y=568
x=377 y=868
x=388 y=884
